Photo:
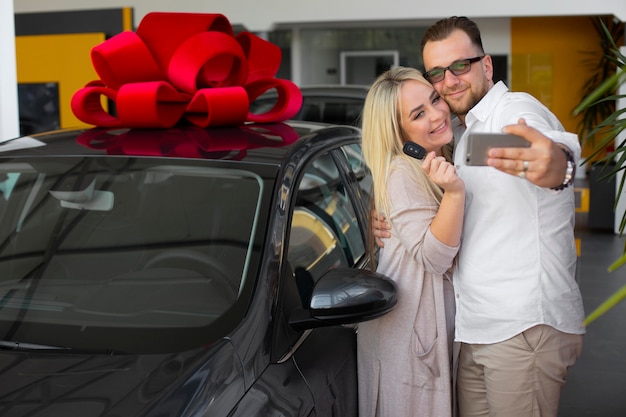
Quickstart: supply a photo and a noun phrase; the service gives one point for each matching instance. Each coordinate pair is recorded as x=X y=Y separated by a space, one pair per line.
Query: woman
x=405 y=356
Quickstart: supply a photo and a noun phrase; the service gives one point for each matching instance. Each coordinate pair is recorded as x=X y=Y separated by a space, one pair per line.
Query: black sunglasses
x=457 y=68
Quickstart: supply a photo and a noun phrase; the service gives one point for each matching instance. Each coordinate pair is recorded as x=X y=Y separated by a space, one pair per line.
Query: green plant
x=602 y=66
x=608 y=129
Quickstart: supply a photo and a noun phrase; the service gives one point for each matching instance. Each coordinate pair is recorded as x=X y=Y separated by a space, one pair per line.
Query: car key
x=414 y=150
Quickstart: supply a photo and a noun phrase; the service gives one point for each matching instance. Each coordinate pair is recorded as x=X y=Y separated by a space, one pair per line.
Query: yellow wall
x=58 y=58
x=50 y=47
x=546 y=61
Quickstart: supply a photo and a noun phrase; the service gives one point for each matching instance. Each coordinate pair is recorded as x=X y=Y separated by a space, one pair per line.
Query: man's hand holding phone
x=543 y=163
x=479 y=144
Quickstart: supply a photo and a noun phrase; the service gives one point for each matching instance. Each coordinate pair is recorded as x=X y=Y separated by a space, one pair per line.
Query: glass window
x=328 y=109
x=325 y=232
x=339 y=110
x=122 y=242
x=323 y=66
x=361 y=172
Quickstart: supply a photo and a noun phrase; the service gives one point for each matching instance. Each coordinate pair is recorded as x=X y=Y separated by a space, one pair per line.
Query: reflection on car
x=338 y=104
x=184 y=271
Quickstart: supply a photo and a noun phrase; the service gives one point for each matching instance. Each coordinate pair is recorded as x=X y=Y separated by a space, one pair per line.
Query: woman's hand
x=380 y=228
x=442 y=173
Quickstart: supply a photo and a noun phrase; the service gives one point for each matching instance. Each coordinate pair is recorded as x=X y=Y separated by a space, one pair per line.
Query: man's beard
x=461 y=108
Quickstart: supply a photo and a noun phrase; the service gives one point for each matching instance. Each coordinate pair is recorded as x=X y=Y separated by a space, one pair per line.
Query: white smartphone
x=478 y=144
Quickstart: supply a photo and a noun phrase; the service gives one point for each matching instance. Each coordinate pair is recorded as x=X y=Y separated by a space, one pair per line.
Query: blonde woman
x=405 y=357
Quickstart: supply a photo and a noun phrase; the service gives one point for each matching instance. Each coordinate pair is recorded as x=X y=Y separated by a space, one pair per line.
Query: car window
x=361 y=171
x=339 y=110
x=325 y=231
x=123 y=243
x=327 y=109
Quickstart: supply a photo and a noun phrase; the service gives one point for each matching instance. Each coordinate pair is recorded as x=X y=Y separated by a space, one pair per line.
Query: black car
x=338 y=104
x=184 y=271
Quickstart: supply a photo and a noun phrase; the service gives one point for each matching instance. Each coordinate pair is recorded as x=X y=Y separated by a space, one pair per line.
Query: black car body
x=337 y=104
x=184 y=271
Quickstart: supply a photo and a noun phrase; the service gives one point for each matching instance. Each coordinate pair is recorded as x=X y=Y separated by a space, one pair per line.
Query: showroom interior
x=545 y=48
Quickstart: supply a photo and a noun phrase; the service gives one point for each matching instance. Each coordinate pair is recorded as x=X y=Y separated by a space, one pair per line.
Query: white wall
x=620 y=209
x=9 y=115
x=258 y=15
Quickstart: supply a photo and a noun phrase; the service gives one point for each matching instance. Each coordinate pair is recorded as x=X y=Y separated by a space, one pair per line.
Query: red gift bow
x=189 y=141
x=184 y=66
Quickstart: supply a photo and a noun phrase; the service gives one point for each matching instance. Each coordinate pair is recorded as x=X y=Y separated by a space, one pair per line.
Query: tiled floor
x=596 y=385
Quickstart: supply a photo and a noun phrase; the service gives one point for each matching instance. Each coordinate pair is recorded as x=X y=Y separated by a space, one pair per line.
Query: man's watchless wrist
x=570 y=170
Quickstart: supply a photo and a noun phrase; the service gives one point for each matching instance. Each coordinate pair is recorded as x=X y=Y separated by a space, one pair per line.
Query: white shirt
x=517 y=263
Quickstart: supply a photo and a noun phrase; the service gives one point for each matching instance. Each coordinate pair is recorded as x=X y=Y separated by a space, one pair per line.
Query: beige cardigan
x=404 y=357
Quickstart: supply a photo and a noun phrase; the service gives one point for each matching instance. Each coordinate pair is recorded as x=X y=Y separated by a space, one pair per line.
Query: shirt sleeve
x=412 y=212
x=525 y=106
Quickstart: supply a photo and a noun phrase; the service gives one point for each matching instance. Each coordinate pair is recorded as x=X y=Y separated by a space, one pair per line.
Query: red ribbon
x=184 y=66
x=189 y=141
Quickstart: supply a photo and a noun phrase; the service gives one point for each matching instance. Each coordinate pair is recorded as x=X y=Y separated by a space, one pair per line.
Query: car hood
x=199 y=382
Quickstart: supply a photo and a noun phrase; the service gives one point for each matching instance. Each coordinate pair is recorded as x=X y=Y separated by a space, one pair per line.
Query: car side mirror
x=346 y=296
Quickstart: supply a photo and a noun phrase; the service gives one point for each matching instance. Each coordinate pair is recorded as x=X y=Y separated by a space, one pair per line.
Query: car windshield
x=100 y=248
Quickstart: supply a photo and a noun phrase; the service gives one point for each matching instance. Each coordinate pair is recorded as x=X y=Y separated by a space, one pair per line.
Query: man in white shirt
x=519 y=309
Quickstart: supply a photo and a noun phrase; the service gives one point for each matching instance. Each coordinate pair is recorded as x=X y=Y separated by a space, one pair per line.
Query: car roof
x=332 y=89
x=258 y=143
x=329 y=90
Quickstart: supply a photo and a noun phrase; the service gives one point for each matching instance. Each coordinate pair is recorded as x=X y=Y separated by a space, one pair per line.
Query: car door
x=326 y=233
x=313 y=372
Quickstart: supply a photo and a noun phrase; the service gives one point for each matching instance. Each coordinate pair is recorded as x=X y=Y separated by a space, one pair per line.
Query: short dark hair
x=444 y=28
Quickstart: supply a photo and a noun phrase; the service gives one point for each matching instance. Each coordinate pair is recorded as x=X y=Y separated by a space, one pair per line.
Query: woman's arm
x=448 y=222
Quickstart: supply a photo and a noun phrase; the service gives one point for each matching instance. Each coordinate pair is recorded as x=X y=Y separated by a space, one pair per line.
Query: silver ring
x=525 y=166
x=522 y=174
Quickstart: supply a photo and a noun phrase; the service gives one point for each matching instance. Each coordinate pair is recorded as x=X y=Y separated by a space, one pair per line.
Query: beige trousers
x=520 y=377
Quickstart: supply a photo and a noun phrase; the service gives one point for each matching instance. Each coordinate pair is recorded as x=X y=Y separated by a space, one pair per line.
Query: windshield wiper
x=16 y=345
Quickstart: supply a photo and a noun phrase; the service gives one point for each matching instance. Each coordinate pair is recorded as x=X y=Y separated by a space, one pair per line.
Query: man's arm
x=546 y=163
x=380 y=228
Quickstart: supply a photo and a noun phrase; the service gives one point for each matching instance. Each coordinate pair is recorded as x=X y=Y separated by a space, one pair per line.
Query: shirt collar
x=483 y=109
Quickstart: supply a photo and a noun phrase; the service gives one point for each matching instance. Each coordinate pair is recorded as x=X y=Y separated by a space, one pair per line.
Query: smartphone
x=414 y=150
x=478 y=144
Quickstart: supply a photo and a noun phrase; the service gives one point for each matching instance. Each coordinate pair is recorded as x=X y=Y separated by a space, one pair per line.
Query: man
x=519 y=308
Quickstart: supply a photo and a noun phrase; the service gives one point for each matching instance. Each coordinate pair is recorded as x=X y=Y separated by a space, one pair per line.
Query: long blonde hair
x=383 y=136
